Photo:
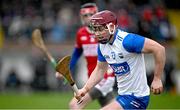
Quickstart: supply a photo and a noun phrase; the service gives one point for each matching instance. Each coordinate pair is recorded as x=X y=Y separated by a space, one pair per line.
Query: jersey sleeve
x=75 y=56
x=78 y=43
x=133 y=43
x=100 y=56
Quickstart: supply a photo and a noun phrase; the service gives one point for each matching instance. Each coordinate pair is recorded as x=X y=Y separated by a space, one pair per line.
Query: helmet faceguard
x=105 y=19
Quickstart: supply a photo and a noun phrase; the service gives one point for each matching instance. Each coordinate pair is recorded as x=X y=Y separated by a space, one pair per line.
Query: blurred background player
x=87 y=45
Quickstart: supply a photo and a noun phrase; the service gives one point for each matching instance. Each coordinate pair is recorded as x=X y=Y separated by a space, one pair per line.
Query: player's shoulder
x=82 y=30
x=122 y=34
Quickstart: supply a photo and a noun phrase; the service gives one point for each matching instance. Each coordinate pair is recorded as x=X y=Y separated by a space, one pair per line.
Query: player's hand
x=81 y=93
x=58 y=75
x=157 y=86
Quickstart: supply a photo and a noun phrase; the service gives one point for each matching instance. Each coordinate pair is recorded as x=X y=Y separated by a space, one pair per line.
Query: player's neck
x=88 y=30
x=111 y=39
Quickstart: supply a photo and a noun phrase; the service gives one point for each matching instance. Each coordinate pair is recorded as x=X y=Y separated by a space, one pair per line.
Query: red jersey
x=87 y=42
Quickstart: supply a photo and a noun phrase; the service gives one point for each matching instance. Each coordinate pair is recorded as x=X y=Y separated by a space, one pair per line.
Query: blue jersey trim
x=100 y=56
x=75 y=56
x=133 y=43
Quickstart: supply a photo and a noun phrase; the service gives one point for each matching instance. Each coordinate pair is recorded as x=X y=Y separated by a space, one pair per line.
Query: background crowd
x=24 y=67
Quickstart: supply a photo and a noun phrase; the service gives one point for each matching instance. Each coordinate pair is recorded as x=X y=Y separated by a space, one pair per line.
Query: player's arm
x=145 y=45
x=98 y=72
x=138 y=44
x=96 y=76
x=77 y=51
x=158 y=51
x=75 y=56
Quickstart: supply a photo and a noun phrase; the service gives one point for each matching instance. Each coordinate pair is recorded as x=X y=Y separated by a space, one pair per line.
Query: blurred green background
x=55 y=100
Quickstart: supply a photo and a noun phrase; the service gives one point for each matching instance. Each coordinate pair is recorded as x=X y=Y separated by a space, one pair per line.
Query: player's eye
x=88 y=15
x=101 y=28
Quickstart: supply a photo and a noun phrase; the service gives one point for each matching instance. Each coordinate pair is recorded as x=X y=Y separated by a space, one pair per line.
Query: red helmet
x=103 y=18
x=86 y=11
x=88 y=8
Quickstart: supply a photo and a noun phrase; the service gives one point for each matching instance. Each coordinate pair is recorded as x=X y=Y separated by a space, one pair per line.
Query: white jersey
x=125 y=57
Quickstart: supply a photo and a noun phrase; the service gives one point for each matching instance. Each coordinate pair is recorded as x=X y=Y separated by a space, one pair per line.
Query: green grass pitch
x=59 y=100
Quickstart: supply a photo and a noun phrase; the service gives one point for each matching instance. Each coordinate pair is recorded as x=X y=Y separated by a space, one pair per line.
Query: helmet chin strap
x=104 y=41
x=109 y=29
